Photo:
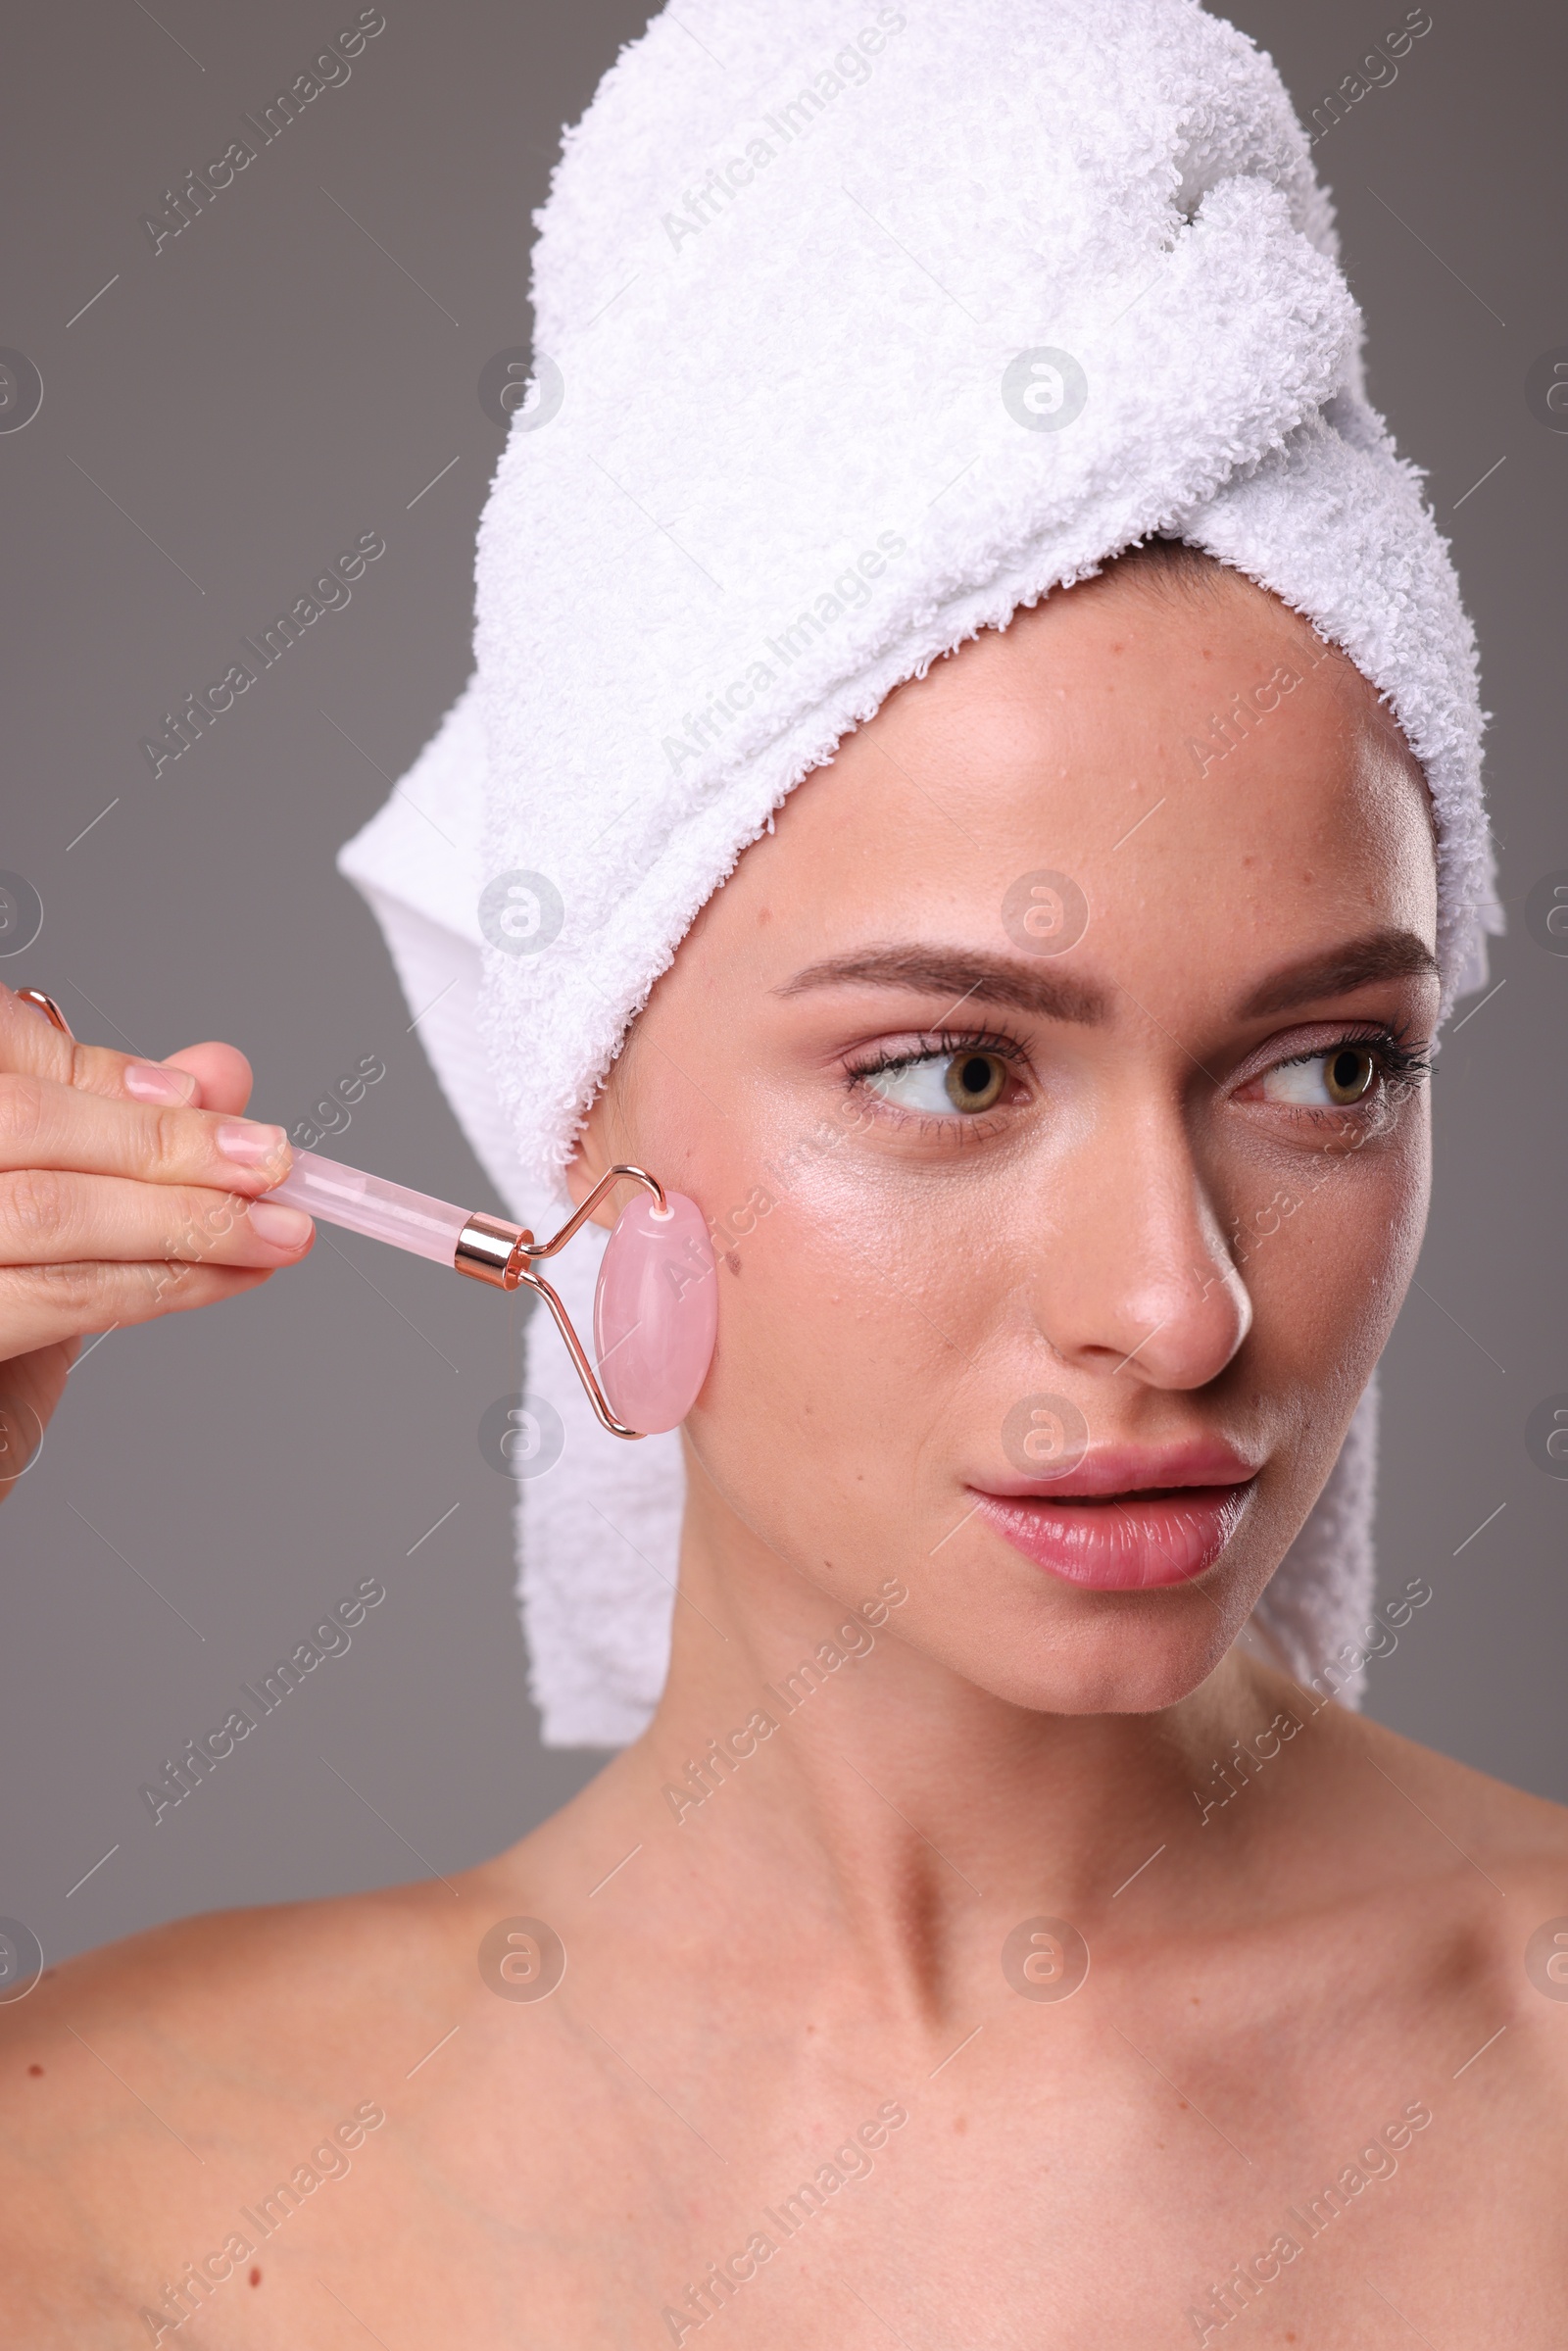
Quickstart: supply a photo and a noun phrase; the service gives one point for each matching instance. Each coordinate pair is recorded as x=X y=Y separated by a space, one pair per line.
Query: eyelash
x=934 y=1044
x=1403 y=1069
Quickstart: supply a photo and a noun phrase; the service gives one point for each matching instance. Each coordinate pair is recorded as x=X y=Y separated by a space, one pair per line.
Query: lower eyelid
x=1320 y=1054
x=949 y=1126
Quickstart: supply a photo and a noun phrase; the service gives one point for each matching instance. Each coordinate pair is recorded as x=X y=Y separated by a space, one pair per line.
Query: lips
x=1126 y=1519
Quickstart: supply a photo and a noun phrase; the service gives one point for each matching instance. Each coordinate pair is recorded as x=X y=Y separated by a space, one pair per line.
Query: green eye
x=974 y=1081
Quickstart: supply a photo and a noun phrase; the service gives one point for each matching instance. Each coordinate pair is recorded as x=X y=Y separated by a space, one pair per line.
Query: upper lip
x=1131 y=1469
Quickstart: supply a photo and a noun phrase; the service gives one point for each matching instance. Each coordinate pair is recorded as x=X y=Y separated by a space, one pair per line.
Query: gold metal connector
x=489 y=1250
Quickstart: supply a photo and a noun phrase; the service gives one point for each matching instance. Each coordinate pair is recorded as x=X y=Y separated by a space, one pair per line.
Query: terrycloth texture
x=787 y=260
x=598 y=1536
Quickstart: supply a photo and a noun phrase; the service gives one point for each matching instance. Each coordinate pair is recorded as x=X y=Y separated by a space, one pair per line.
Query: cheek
x=1328 y=1259
x=833 y=1356
x=1326 y=1288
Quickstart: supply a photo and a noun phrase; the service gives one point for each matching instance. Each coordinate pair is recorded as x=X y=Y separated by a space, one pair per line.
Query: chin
x=1134 y=1656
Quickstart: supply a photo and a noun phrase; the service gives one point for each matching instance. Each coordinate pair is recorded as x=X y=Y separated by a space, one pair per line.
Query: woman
x=977 y=1862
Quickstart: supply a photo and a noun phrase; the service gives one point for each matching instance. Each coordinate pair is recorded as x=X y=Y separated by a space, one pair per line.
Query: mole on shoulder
x=255 y=2277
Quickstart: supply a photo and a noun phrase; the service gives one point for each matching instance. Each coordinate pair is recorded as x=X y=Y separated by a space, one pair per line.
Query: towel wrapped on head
x=854 y=331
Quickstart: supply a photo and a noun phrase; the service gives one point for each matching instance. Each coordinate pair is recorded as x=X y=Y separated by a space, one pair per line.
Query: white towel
x=775 y=466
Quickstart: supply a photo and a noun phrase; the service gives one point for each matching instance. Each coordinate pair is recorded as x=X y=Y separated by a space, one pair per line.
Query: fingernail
x=284 y=1228
x=150 y=1084
x=250 y=1144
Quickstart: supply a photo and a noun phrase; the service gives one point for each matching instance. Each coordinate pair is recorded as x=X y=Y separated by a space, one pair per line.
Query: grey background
x=216 y=426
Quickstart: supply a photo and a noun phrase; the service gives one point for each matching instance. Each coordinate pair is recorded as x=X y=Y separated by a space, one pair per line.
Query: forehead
x=1197 y=762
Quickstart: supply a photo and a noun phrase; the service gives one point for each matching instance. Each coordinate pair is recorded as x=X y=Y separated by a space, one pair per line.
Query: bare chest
x=606 y=2204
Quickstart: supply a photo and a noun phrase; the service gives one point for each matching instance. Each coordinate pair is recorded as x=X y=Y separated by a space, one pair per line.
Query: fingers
x=223 y=1075
x=44 y=1124
x=128 y=1191
x=66 y=1105
x=43 y=1306
x=215 y=1077
x=31 y=1045
x=51 y=1216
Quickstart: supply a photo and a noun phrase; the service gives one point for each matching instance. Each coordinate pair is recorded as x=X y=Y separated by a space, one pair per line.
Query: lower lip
x=1136 y=1545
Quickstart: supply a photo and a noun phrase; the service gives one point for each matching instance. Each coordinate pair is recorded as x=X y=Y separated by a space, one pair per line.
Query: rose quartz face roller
x=655 y=1309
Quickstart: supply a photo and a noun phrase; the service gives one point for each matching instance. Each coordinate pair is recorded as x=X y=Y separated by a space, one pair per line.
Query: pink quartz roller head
x=656 y=1313
x=657 y=1303
x=655 y=1309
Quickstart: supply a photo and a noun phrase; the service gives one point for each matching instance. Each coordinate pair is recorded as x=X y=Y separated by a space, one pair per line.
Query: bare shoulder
x=145 y=2085
x=178 y=2109
x=1493 y=1825
x=1476 y=1873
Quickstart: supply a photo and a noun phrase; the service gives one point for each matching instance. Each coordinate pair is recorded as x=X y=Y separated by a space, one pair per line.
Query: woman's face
x=1050 y=1080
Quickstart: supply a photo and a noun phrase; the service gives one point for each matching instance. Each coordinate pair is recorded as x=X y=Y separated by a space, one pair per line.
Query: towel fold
x=853 y=334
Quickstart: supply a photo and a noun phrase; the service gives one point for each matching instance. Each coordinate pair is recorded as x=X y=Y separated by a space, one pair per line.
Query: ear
x=595 y=1153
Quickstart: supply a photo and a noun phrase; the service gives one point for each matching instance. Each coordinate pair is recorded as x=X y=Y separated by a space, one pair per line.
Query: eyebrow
x=1386 y=954
x=962 y=975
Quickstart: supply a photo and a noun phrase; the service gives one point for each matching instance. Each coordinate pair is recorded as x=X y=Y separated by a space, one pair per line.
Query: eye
x=938 y=1084
x=1333 y=1080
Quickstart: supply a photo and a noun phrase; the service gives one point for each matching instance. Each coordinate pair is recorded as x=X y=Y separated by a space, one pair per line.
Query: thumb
x=221 y=1072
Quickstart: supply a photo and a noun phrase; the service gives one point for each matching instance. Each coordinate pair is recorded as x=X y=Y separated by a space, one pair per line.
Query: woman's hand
x=125 y=1192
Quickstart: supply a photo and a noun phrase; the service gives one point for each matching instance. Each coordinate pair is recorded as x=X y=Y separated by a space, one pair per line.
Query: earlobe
x=582 y=1174
x=592 y=1159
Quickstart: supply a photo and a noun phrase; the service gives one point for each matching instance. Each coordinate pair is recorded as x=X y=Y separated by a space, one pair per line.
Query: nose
x=1135 y=1279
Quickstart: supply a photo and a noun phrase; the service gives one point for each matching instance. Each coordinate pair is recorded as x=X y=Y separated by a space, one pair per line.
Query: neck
x=804 y=1750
